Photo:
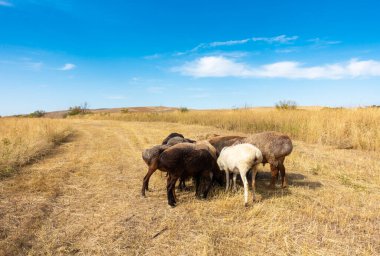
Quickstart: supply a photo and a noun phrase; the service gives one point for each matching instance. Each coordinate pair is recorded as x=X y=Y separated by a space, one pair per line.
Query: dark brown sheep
x=150 y=157
x=186 y=160
x=275 y=147
x=172 y=135
x=175 y=138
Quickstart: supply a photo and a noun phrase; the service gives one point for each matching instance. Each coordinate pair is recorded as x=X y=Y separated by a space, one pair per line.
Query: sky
x=197 y=54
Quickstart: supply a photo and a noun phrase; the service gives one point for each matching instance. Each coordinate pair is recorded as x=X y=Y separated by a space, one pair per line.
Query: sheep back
x=219 y=142
x=172 y=135
x=206 y=145
x=186 y=159
x=241 y=156
x=151 y=154
x=273 y=145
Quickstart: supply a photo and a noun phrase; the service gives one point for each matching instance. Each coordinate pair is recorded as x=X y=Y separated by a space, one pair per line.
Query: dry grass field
x=84 y=199
x=343 y=128
x=23 y=140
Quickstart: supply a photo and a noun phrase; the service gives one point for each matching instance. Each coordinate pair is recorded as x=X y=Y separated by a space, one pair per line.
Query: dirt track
x=85 y=199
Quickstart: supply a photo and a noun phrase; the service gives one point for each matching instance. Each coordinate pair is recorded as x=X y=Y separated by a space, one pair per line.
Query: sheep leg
x=151 y=170
x=209 y=185
x=284 y=179
x=227 y=180
x=234 y=179
x=197 y=184
x=254 y=172
x=171 y=181
x=245 y=183
x=182 y=184
x=274 y=173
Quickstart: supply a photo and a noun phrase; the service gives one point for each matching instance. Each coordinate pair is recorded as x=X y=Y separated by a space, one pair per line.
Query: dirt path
x=85 y=199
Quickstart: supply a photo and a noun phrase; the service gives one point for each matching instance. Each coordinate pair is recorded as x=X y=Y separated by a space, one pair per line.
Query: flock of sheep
x=205 y=161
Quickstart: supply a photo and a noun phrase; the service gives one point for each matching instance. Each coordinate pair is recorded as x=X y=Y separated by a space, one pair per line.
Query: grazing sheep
x=187 y=160
x=275 y=147
x=209 y=146
x=219 y=142
x=150 y=157
x=175 y=138
x=172 y=135
x=239 y=159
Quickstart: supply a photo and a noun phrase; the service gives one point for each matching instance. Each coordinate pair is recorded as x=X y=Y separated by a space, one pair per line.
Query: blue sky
x=198 y=54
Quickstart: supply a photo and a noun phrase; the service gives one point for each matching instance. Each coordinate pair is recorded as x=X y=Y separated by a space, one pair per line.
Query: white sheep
x=240 y=158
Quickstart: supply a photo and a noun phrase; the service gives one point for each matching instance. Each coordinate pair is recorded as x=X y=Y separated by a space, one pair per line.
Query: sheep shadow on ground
x=262 y=181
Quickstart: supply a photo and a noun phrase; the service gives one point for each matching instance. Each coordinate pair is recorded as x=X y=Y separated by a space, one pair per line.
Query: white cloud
x=320 y=42
x=287 y=50
x=281 y=39
x=277 y=39
x=231 y=42
x=6 y=3
x=218 y=66
x=67 y=66
x=213 y=66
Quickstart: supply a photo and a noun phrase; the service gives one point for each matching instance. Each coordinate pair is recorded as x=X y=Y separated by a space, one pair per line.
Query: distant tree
x=183 y=109
x=124 y=111
x=78 y=110
x=286 y=104
x=37 y=113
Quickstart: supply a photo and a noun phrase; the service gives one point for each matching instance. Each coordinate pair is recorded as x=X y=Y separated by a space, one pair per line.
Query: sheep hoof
x=246 y=204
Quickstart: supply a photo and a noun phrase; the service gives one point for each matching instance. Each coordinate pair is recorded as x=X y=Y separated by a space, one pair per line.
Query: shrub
x=124 y=110
x=183 y=109
x=286 y=104
x=78 y=110
x=37 y=113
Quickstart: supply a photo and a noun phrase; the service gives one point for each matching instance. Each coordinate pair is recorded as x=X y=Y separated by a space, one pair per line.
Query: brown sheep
x=275 y=147
x=186 y=160
x=219 y=142
x=175 y=138
x=150 y=157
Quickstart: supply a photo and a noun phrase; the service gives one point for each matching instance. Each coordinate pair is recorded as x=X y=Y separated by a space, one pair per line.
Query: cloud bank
x=219 y=66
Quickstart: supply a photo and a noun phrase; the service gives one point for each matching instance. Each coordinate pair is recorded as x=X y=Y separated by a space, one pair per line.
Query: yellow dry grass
x=85 y=199
x=343 y=128
x=23 y=140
